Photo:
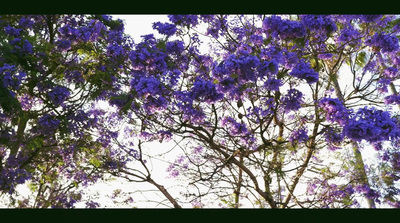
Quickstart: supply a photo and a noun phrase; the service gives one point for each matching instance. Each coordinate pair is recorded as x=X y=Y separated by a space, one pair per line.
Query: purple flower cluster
x=179 y=164
x=367 y=191
x=147 y=57
x=14 y=32
x=382 y=85
x=268 y=68
x=333 y=138
x=215 y=24
x=335 y=110
x=10 y=78
x=392 y=99
x=92 y=204
x=174 y=47
x=243 y=67
x=204 y=90
x=226 y=84
x=299 y=136
x=167 y=29
x=89 y=32
x=369 y=18
x=348 y=35
x=391 y=72
x=276 y=27
x=21 y=47
x=63 y=201
x=292 y=100
x=372 y=125
x=319 y=23
x=385 y=42
x=185 y=105
x=63 y=44
x=272 y=84
x=259 y=112
x=184 y=20
x=11 y=174
x=235 y=128
x=58 y=95
x=155 y=103
x=74 y=76
x=115 y=50
x=304 y=71
x=26 y=22
x=147 y=86
x=48 y=123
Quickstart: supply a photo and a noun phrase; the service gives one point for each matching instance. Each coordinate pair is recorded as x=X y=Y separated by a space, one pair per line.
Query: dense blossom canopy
x=275 y=104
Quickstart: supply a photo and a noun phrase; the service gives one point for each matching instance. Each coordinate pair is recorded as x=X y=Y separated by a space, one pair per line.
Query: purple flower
x=164 y=135
x=256 y=39
x=74 y=76
x=272 y=84
x=115 y=50
x=304 y=71
x=391 y=72
x=27 y=47
x=167 y=29
x=64 y=45
x=319 y=23
x=293 y=100
x=206 y=91
x=285 y=29
x=392 y=99
x=243 y=64
x=58 y=95
x=385 y=42
x=92 y=204
x=10 y=78
x=382 y=84
x=12 y=31
x=215 y=25
x=184 y=20
x=175 y=47
x=148 y=86
x=335 y=110
x=234 y=127
x=25 y=22
x=333 y=138
x=348 y=34
x=369 y=18
x=367 y=191
x=372 y=125
x=268 y=67
x=299 y=136
x=48 y=123
x=155 y=103
x=226 y=84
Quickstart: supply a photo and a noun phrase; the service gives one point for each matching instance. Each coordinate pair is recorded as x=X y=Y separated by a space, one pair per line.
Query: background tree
x=270 y=114
x=53 y=71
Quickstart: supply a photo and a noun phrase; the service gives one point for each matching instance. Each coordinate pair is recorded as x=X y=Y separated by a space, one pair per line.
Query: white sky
x=137 y=25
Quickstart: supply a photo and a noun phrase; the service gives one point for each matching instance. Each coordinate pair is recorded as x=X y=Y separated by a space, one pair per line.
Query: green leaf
x=361 y=59
x=234 y=75
x=95 y=162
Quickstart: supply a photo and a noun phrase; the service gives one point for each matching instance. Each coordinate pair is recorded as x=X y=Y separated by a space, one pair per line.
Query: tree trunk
x=360 y=167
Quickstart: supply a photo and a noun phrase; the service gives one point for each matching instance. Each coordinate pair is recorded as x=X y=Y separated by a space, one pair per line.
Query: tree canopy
x=264 y=111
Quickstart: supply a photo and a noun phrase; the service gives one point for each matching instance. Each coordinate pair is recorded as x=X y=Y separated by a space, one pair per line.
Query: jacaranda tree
x=53 y=71
x=275 y=113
